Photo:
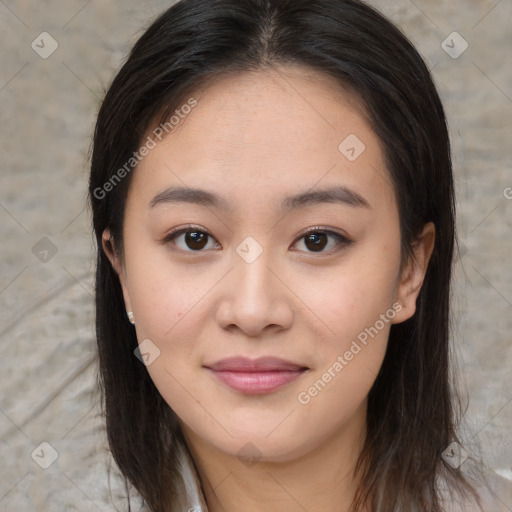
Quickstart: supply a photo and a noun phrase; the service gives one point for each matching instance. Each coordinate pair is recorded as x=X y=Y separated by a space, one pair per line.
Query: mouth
x=256 y=376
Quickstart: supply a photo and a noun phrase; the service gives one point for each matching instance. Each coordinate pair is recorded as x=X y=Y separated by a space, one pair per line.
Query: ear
x=107 y=243
x=413 y=274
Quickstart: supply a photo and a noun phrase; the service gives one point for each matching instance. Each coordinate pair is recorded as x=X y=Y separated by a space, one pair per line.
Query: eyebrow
x=338 y=194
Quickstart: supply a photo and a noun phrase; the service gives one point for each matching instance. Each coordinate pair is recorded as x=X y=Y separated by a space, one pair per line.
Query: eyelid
x=187 y=227
x=323 y=229
x=179 y=231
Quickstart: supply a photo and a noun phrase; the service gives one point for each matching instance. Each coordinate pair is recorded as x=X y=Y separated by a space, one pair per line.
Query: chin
x=257 y=446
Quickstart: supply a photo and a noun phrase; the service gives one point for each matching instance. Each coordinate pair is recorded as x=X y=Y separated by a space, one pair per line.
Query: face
x=314 y=281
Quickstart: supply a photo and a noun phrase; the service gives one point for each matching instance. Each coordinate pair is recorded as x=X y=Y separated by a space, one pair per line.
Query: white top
x=497 y=497
x=194 y=499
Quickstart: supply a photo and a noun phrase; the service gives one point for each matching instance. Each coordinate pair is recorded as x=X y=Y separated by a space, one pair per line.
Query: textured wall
x=47 y=109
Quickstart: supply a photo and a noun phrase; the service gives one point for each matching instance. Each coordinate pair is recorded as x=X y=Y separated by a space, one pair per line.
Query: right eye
x=194 y=238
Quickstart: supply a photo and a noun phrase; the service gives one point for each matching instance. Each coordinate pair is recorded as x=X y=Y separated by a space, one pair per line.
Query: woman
x=273 y=204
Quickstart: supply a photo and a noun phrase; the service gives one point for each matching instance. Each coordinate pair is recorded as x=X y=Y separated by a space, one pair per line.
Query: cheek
x=166 y=296
x=336 y=395
x=356 y=308
x=171 y=313
x=352 y=297
x=360 y=316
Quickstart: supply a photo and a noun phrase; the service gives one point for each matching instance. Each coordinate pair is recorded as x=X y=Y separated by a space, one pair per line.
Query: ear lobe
x=115 y=260
x=414 y=274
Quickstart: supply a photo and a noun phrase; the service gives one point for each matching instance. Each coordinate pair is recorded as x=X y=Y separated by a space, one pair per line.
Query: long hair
x=412 y=406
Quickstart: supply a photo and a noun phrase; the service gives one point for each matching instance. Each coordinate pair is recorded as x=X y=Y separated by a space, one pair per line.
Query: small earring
x=130 y=317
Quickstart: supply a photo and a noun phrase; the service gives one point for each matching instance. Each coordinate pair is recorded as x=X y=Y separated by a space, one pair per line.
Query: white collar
x=193 y=494
x=498 y=492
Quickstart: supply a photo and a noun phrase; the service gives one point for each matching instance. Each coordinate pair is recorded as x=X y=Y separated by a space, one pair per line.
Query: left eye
x=315 y=240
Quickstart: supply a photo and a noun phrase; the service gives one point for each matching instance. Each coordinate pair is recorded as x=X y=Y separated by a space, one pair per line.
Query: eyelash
x=342 y=241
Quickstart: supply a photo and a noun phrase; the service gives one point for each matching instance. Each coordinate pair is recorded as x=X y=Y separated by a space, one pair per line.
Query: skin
x=255 y=138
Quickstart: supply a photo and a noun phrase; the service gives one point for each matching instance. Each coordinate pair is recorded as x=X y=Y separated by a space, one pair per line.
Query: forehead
x=263 y=133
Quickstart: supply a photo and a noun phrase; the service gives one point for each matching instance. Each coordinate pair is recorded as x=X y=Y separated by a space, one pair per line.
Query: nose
x=255 y=297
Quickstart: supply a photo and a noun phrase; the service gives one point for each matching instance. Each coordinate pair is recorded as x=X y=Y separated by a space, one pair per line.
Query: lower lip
x=257 y=382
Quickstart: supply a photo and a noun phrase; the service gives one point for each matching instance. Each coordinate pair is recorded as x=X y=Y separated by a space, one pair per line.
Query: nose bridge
x=255 y=297
x=253 y=268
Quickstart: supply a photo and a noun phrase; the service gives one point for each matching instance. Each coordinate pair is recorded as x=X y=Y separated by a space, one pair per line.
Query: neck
x=322 y=479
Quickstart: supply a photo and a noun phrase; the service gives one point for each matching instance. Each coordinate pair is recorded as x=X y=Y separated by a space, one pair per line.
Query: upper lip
x=261 y=364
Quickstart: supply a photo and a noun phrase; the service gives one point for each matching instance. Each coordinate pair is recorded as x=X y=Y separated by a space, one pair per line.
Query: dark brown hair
x=412 y=405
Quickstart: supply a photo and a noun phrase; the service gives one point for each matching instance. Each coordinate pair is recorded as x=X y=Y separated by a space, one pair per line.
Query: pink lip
x=255 y=376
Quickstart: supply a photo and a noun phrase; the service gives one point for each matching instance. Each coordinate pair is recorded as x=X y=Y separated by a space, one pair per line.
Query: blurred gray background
x=57 y=60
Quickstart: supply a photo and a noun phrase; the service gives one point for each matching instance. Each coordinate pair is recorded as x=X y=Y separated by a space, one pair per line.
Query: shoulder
x=494 y=491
